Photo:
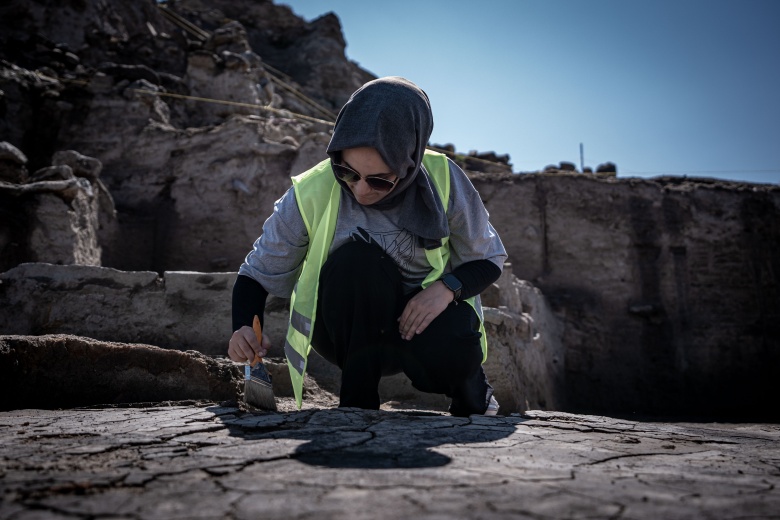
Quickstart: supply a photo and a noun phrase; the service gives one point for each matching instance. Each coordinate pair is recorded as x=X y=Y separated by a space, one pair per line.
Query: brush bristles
x=258 y=391
x=259 y=394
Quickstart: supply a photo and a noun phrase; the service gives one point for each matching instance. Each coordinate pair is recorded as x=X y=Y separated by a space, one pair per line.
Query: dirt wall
x=667 y=289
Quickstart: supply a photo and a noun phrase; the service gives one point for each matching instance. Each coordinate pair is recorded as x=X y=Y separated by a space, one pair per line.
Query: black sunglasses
x=347 y=174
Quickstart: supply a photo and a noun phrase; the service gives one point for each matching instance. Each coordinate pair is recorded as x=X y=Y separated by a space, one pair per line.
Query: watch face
x=452 y=283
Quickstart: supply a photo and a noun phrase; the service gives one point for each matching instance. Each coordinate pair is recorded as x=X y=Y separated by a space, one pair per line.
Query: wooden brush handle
x=259 y=335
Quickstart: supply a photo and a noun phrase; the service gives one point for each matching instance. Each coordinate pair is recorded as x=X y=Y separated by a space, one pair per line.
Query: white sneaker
x=492 y=408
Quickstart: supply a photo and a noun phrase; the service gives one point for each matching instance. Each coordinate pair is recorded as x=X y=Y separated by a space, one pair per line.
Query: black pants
x=360 y=299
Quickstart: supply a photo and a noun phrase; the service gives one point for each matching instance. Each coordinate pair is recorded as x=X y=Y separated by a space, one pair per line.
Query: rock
x=449 y=147
x=490 y=156
x=123 y=109
x=487 y=162
x=181 y=311
x=60 y=221
x=310 y=54
x=12 y=164
x=526 y=355
x=62 y=172
x=311 y=152
x=229 y=77
x=229 y=37
x=607 y=168
x=217 y=461
x=12 y=154
x=197 y=212
x=91 y=33
x=130 y=72
x=567 y=166
x=82 y=166
x=60 y=371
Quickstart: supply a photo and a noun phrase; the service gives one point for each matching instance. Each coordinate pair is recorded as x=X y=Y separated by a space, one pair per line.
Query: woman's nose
x=362 y=187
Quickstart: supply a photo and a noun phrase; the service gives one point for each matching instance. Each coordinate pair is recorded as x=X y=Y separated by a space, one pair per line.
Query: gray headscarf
x=394 y=116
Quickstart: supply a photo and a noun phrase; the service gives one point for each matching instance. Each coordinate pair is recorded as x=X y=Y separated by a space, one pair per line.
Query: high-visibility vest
x=318 y=196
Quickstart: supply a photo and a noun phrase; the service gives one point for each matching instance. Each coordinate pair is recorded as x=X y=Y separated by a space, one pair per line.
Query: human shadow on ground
x=368 y=439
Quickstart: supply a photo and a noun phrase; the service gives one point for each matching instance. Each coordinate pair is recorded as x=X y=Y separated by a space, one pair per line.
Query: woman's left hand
x=423 y=308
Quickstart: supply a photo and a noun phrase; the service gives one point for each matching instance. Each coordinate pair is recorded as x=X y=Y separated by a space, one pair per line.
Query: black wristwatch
x=453 y=284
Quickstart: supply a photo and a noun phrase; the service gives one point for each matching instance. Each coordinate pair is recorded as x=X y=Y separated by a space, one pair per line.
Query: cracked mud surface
x=210 y=461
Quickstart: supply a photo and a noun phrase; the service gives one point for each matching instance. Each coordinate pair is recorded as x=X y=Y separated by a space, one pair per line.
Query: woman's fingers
x=243 y=345
x=422 y=309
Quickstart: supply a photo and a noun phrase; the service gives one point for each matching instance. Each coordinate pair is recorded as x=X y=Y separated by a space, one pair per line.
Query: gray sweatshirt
x=277 y=256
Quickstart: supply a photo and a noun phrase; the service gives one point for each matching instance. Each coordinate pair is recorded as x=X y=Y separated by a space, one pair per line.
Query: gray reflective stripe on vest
x=300 y=322
x=295 y=359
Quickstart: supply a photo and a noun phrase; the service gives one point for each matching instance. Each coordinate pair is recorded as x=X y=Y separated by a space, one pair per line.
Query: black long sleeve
x=476 y=276
x=248 y=300
x=249 y=297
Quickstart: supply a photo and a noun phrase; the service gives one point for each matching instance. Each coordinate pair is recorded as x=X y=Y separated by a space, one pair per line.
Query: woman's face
x=368 y=163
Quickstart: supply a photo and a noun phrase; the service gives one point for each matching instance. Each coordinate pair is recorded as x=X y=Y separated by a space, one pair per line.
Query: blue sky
x=681 y=87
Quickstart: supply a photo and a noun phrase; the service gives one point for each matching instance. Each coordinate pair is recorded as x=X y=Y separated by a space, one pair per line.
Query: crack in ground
x=672 y=437
x=514 y=478
x=630 y=455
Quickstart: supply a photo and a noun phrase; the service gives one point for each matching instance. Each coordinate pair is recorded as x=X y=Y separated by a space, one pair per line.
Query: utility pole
x=582 y=158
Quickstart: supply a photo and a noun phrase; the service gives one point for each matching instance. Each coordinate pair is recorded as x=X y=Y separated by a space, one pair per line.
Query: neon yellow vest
x=318 y=196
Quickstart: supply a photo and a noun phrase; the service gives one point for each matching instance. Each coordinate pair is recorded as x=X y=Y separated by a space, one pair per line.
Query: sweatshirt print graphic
x=399 y=244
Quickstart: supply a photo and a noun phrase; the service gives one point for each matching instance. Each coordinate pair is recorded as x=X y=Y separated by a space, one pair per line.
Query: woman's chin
x=367 y=200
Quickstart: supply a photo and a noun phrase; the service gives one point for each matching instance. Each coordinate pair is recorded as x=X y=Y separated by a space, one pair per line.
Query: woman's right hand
x=243 y=345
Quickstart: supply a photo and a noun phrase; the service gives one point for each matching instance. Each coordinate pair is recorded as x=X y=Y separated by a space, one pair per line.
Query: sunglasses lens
x=345 y=174
x=379 y=184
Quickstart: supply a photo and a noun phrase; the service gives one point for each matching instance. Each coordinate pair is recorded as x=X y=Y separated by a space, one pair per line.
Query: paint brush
x=258 y=391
